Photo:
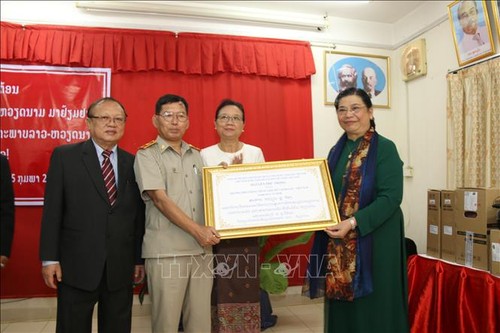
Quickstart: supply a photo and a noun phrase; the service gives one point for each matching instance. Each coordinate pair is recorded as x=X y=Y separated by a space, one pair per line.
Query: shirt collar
x=99 y=149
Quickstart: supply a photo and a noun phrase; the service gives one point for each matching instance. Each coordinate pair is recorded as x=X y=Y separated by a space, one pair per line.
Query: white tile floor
x=296 y=314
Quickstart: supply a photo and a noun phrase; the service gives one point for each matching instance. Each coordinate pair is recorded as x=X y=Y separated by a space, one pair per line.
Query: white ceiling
x=375 y=10
x=377 y=24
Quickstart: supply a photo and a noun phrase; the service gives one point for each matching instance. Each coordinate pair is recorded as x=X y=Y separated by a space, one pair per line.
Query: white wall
x=423 y=102
x=416 y=121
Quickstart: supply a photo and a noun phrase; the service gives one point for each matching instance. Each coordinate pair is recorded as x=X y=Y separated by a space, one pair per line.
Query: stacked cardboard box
x=473 y=214
x=433 y=223
x=495 y=252
x=448 y=225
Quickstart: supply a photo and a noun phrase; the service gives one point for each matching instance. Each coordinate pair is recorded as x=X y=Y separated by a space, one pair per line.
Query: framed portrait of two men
x=471 y=29
x=369 y=72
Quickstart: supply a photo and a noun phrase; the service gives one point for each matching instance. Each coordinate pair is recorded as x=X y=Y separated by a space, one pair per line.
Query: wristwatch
x=352 y=221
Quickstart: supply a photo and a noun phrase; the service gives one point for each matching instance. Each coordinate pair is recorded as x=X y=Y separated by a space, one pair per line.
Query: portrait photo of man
x=347 y=77
x=472 y=33
x=369 y=79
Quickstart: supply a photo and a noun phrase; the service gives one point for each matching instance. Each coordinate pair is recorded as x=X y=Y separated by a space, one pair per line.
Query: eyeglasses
x=225 y=119
x=342 y=111
x=104 y=120
x=169 y=116
x=467 y=14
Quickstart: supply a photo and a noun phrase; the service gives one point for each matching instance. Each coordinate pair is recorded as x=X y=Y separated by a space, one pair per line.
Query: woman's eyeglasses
x=225 y=119
x=342 y=111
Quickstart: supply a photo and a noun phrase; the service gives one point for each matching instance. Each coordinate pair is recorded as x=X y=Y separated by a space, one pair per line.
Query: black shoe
x=270 y=321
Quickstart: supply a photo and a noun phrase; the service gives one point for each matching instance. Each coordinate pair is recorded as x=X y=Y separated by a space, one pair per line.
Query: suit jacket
x=6 y=207
x=80 y=229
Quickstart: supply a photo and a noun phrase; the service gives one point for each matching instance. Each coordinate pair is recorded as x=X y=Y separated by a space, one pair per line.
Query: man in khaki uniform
x=177 y=246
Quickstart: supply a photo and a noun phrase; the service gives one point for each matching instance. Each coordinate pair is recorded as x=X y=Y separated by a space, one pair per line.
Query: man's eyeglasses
x=342 y=111
x=465 y=15
x=104 y=120
x=225 y=119
x=169 y=116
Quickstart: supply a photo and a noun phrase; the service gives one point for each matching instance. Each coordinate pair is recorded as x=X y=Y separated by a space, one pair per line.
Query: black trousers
x=75 y=308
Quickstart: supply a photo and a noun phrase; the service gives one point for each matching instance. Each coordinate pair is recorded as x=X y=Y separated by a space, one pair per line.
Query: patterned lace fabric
x=236 y=317
x=236 y=291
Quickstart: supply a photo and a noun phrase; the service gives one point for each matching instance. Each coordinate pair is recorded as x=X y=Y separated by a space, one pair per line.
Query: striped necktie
x=109 y=177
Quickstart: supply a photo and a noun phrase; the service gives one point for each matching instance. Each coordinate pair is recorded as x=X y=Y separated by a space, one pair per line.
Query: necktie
x=109 y=177
x=478 y=39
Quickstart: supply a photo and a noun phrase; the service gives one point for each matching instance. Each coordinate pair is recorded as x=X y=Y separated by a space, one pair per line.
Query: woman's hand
x=223 y=164
x=238 y=159
x=339 y=230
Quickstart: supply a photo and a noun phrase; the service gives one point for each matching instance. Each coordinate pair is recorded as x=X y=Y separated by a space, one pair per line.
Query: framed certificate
x=245 y=200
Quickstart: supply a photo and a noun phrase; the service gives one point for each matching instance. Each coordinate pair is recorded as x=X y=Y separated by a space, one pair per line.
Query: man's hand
x=3 y=261
x=50 y=274
x=139 y=274
x=207 y=236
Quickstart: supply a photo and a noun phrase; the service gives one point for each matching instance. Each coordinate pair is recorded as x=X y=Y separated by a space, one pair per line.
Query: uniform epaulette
x=147 y=145
x=195 y=148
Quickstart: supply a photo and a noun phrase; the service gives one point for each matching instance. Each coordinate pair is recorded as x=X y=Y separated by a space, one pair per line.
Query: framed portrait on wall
x=471 y=30
x=495 y=5
x=344 y=70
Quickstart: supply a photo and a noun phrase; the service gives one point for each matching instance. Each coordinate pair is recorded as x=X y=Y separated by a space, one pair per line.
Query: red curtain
x=210 y=54
x=274 y=109
x=270 y=77
x=450 y=298
x=145 y=50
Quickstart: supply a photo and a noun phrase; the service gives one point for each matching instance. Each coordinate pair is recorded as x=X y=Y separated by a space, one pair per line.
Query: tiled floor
x=296 y=314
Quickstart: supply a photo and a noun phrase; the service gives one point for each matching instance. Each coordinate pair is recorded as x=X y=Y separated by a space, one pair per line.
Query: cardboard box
x=495 y=251
x=472 y=250
x=474 y=211
x=448 y=229
x=433 y=223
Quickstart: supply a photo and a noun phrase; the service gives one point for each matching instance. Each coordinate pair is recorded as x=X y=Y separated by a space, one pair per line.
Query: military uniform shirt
x=159 y=167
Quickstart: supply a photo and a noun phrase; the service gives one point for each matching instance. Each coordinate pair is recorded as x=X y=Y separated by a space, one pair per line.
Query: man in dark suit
x=91 y=231
x=6 y=210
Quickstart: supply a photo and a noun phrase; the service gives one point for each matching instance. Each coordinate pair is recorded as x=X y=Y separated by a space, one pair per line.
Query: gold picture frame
x=246 y=200
x=495 y=5
x=366 y=71
x=471 y=30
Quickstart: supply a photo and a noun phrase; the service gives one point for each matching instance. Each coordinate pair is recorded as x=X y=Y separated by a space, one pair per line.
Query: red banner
x=43 y=107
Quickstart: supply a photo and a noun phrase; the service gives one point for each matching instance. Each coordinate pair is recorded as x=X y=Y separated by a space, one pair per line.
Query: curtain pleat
x=451 y=298
x=473 y=115
x=118 y=49
x=211 y=54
